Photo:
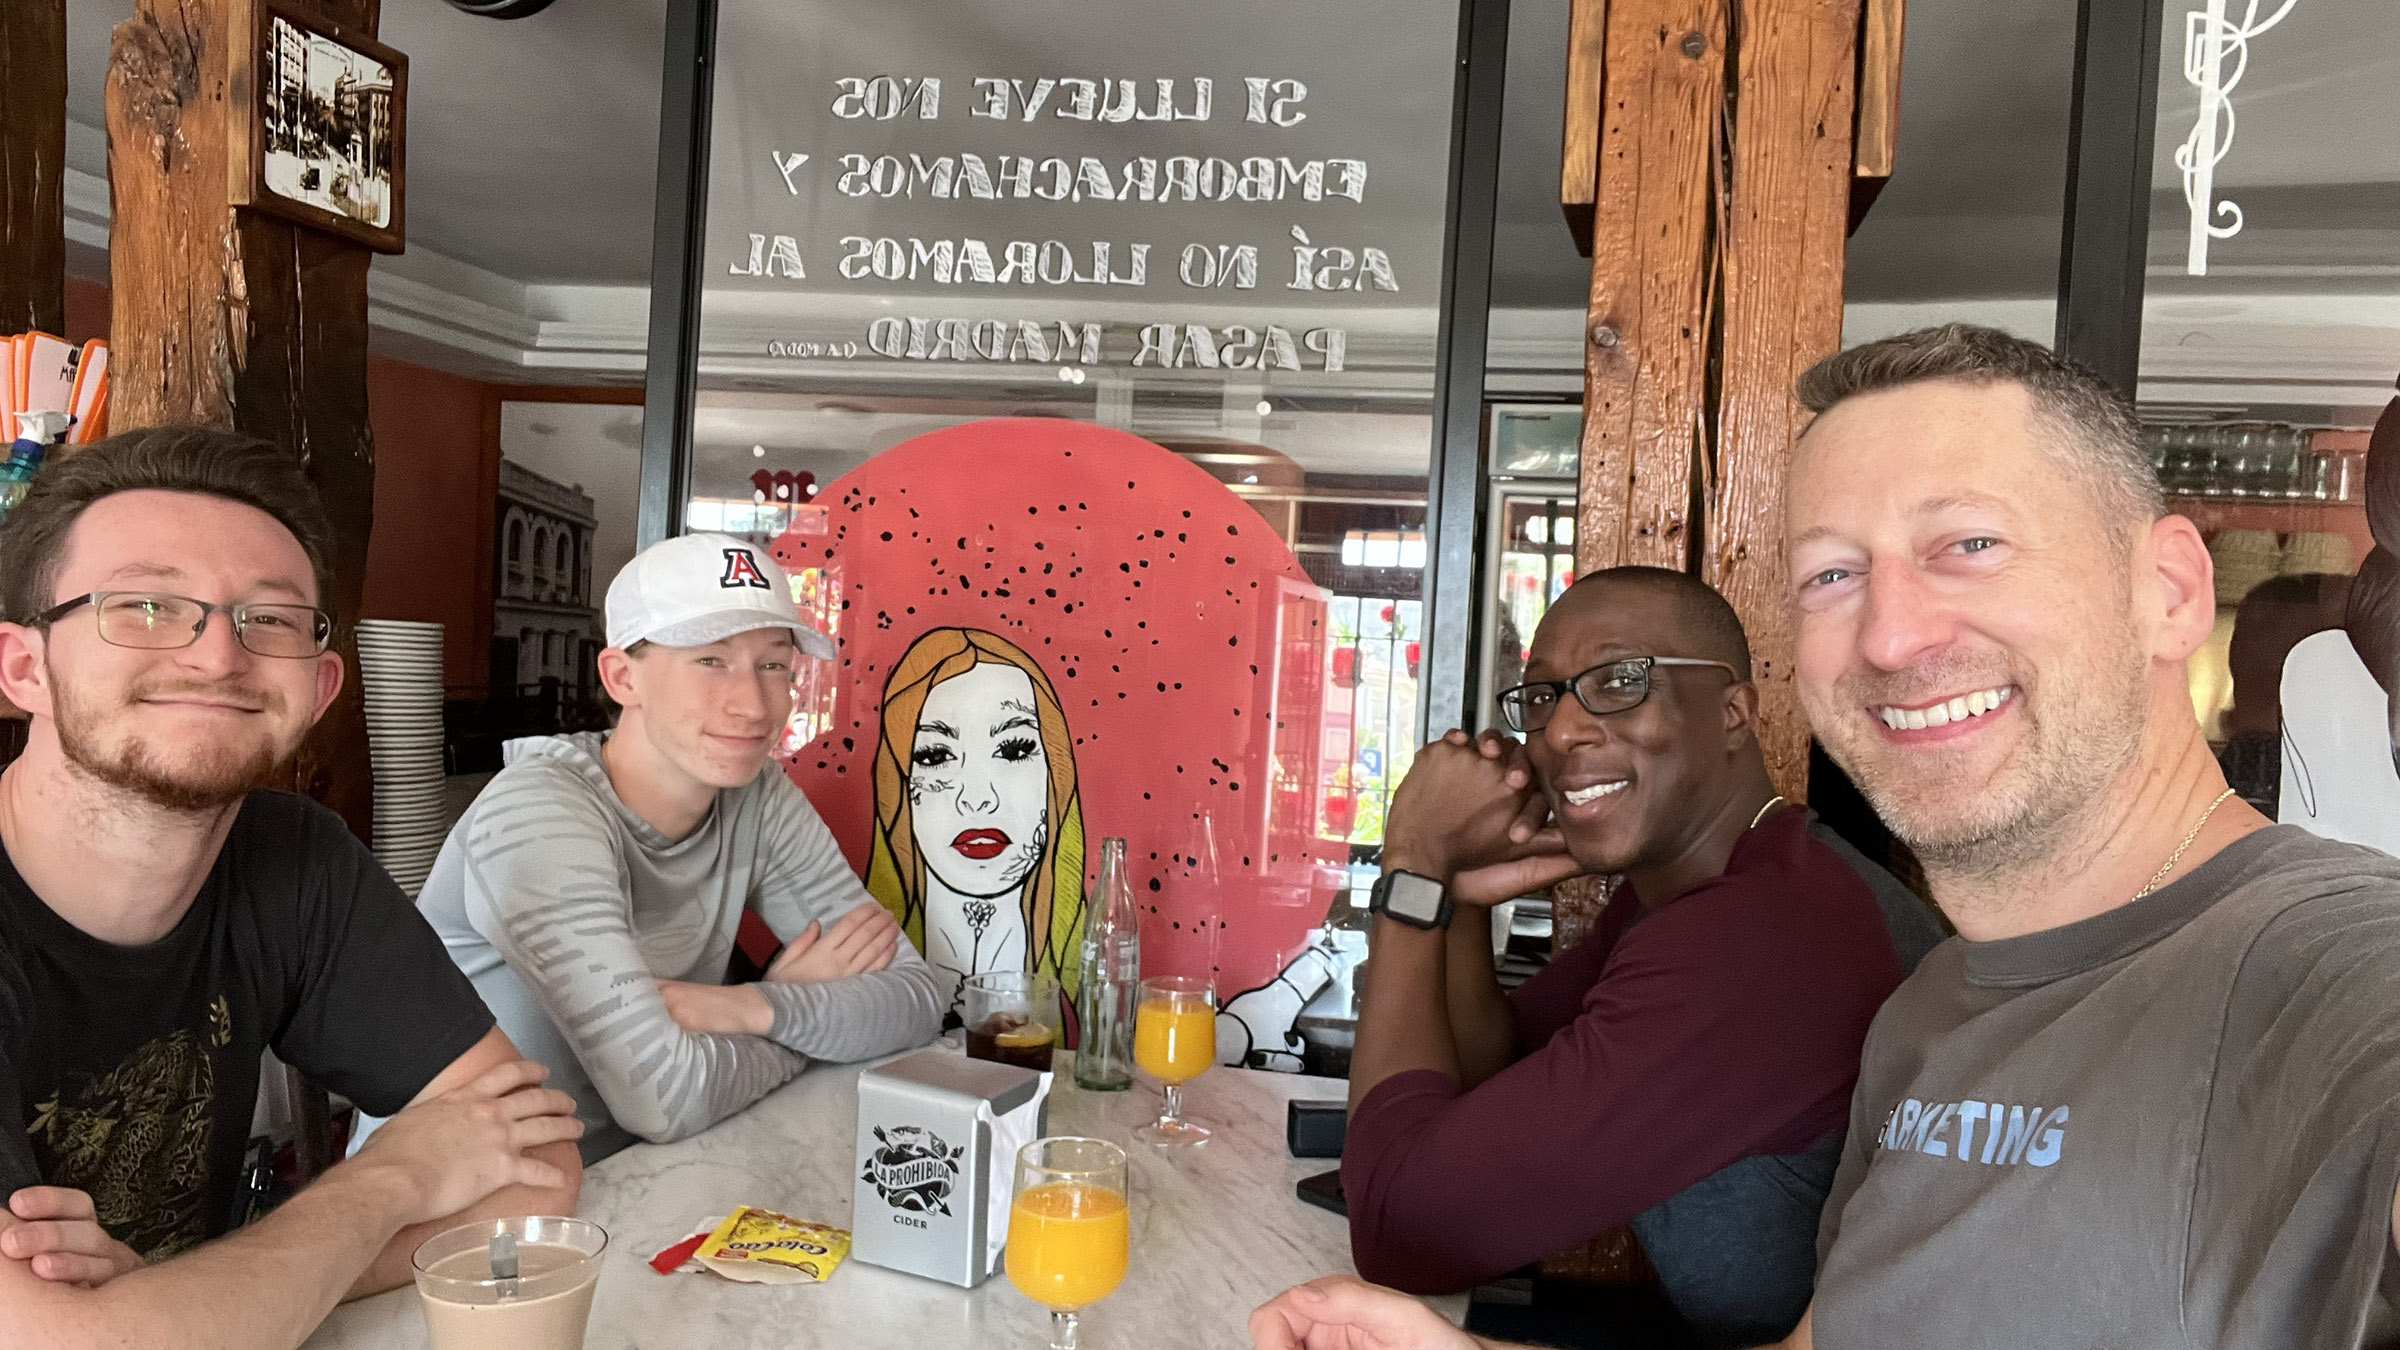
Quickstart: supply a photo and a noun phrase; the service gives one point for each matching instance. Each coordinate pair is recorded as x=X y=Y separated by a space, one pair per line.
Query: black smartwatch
x=1418 y=901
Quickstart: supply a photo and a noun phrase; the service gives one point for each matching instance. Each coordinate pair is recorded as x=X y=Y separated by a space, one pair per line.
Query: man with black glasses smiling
x=1687 y=1069
x=162 y=922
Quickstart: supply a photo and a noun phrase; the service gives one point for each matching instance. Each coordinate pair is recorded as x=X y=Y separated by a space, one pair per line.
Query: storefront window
x=2256 y=394
x=1529 y=535
x=1098 y=345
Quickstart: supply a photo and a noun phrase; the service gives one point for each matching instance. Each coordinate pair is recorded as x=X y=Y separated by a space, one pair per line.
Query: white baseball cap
x=696 y=589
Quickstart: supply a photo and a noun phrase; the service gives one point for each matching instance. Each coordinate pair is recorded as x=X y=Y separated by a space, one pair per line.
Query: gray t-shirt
x=2176 y=1123
x=563 y=906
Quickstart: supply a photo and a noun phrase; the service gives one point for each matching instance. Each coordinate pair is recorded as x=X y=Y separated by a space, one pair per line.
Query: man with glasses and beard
x=1687 y=1069
x=163 y=921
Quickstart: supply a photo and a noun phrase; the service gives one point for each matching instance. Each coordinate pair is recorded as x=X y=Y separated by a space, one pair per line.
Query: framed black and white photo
x=321 y=141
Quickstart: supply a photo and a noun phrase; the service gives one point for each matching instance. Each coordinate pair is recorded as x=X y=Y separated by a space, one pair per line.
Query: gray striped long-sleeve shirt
x=563 y=906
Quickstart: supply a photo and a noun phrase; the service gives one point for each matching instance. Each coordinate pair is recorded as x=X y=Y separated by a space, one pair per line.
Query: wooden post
x=1722 y=197
x=1724 y=188
x=237 y=319
x=1579 y=162
x=1646 y=339
x=33 y=161
x=1876 y=142
x=1787 y=219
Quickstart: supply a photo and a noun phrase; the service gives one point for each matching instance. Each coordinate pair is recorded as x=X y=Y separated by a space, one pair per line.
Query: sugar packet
x=760 y=1246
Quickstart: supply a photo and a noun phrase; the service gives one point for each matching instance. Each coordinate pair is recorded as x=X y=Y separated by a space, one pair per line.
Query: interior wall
x=87 y=310
x=436 y=469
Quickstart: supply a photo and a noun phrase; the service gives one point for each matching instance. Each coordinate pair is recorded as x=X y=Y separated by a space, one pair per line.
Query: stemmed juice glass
x=1068 y=1228
x=1175 y=1041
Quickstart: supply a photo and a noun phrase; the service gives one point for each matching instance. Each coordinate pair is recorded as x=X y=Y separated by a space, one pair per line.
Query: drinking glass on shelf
x=1068 y=1228
x=2350 y=470
x=1012 y=1017
x=2188 y=462
x=1175 y=1041
x=2240 y=458
x=2290 y=476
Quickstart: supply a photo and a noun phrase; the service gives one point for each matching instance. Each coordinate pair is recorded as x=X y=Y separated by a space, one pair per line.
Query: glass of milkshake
x=543 y=1305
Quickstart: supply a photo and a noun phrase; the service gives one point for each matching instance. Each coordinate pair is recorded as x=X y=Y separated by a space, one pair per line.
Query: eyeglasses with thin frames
x=157 y=621
x=1610 y=687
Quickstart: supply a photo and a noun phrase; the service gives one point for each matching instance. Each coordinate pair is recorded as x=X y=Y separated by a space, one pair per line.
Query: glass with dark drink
x=1012 y=1018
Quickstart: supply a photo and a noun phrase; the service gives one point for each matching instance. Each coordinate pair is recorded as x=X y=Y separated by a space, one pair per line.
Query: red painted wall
x=437 y=455
x=87 y=310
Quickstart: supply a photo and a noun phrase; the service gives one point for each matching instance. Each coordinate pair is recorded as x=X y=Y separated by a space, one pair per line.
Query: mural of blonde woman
x=978 y=842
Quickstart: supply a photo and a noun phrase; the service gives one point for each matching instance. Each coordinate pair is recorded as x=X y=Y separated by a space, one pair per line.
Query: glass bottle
x=1112 y=977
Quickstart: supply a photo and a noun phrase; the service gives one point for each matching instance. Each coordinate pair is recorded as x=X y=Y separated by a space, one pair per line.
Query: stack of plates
x=400 y=668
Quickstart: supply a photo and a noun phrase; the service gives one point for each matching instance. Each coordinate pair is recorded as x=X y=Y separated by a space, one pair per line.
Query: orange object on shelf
x=89 y=402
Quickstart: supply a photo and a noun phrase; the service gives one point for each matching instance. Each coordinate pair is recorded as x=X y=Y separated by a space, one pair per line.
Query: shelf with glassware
x=2272 y=500
x=2258 y=461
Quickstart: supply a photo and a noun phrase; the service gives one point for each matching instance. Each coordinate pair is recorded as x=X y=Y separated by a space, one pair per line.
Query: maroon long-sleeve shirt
x=1665 y=1047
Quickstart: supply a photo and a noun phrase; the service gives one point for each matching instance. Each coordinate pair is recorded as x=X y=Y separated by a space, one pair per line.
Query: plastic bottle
x=1112 y=977
x=16 y=475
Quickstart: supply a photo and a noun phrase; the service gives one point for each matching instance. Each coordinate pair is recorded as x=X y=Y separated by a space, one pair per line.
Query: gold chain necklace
x=2177 y=856
x=1772 y=803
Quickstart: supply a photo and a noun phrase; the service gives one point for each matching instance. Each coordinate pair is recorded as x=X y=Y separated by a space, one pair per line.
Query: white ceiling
x=532 y=147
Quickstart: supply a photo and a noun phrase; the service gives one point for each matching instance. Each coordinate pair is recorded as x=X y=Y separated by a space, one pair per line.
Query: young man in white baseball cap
x=593 y=891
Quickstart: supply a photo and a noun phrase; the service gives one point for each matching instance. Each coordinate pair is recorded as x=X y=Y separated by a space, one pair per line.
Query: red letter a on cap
x=741 y=569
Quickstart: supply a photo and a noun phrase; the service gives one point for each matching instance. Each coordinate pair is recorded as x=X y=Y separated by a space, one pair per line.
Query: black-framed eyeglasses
x=157 y=621
x=1611 y=687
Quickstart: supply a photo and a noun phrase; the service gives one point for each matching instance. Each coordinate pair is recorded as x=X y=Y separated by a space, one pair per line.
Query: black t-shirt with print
x=132 y=1072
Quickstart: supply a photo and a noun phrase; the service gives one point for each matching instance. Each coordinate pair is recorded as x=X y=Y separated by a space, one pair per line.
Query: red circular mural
x=1184 y=643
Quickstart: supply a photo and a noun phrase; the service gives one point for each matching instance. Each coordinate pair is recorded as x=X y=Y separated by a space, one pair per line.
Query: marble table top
x=1216 y=1232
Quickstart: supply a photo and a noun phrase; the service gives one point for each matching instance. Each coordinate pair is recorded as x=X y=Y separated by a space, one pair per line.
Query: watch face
x=1413 y=897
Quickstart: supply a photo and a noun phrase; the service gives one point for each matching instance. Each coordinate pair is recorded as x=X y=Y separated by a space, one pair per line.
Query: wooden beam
x=236 y=319
x=33 y=160
x=1646 y=333
x=1579 y=153
x=1786 y=220
x=1876 y=134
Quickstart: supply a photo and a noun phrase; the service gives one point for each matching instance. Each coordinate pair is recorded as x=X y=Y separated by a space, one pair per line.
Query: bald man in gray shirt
x=594 y=890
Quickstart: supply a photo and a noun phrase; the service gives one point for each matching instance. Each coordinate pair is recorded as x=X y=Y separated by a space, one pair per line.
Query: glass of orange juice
x=1068 y=1228
x=1175 y=1041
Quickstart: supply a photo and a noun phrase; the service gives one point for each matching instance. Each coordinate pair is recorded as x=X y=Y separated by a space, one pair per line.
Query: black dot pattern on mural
x=1063 y=590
